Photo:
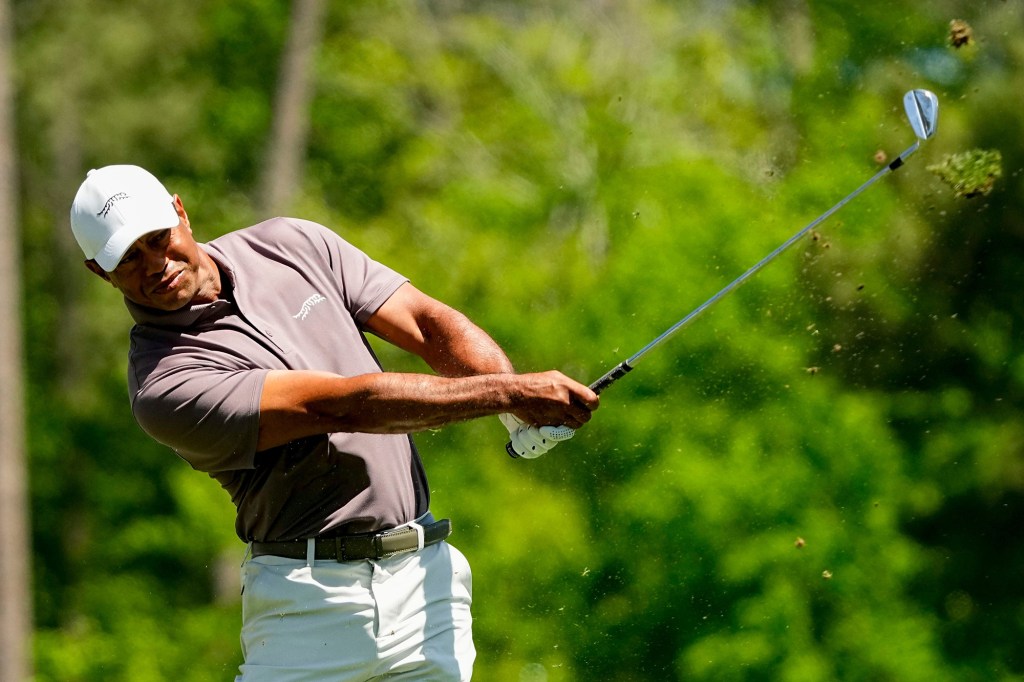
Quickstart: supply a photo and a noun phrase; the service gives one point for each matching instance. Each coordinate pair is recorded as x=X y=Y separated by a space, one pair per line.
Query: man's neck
x=210 y=285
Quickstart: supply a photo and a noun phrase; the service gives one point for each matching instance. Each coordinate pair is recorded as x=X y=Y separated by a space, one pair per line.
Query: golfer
x=248 y=358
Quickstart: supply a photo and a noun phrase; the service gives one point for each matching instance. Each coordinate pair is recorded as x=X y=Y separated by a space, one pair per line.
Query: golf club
x=922 y=109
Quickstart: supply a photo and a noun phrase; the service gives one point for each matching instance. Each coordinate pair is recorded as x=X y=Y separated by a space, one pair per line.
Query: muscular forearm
x=296 y=404
x=382 y=403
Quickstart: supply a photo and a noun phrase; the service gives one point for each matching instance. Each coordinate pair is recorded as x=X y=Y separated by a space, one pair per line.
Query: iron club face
x=922 y=107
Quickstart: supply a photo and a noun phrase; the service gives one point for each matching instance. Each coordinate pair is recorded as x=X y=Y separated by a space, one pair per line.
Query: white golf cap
x=114 y=207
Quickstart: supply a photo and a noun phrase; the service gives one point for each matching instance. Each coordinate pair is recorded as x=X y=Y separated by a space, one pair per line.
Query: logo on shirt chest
x=308 y=305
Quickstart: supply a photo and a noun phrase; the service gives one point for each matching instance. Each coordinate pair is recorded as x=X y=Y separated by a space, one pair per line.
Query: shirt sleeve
x=209 y=416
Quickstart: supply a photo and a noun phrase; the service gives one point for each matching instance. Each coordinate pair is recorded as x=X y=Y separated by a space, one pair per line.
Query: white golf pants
x=402 y=618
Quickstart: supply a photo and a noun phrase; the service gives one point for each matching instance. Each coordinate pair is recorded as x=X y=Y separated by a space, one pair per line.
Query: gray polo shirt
x=295 y=297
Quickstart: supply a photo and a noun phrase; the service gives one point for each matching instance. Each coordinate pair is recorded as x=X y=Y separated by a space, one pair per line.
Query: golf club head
x=922 y=111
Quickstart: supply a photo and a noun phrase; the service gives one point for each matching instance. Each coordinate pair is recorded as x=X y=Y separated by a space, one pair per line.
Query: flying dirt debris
x=960 y=33
x=972 y=173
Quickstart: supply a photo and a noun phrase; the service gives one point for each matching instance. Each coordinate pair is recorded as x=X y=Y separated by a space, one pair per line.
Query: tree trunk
x=15 y=589
x=287 y=146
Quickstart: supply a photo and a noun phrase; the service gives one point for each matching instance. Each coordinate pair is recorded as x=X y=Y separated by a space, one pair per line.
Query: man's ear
x=95 y=269
x=180 y=209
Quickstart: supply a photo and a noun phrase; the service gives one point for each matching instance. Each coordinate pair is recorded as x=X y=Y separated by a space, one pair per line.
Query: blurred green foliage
x=576 y=177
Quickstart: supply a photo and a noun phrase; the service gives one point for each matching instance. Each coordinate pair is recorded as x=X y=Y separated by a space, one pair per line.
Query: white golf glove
x=530 y=442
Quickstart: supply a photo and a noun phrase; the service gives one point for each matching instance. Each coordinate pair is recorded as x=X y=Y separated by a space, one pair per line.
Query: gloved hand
x=530 y=441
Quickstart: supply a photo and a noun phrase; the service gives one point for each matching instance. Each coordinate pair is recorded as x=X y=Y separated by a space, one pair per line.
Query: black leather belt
x=378 y=545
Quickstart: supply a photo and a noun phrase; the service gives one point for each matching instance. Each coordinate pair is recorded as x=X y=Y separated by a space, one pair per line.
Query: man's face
x=161 y=270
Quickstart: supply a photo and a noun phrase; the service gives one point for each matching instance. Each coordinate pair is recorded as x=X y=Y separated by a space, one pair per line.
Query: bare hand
x=553 y=399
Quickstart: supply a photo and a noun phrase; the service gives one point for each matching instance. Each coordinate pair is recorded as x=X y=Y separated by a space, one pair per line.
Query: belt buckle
x=419 y=535
x=378 y=540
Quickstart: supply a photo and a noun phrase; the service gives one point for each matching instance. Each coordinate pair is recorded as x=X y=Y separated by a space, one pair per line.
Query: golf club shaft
x=624 y=367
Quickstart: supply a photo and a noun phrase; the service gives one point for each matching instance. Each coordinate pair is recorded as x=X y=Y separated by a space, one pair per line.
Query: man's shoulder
x=286 y=240
x=281 y=230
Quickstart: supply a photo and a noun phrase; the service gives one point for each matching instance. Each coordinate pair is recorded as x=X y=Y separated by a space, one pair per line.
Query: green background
x=576 y=176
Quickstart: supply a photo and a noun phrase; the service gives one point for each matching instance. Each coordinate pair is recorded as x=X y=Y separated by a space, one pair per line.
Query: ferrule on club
x=901 y=159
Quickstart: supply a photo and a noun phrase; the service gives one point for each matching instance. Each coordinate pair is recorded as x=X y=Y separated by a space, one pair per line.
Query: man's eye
x=129 y=257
